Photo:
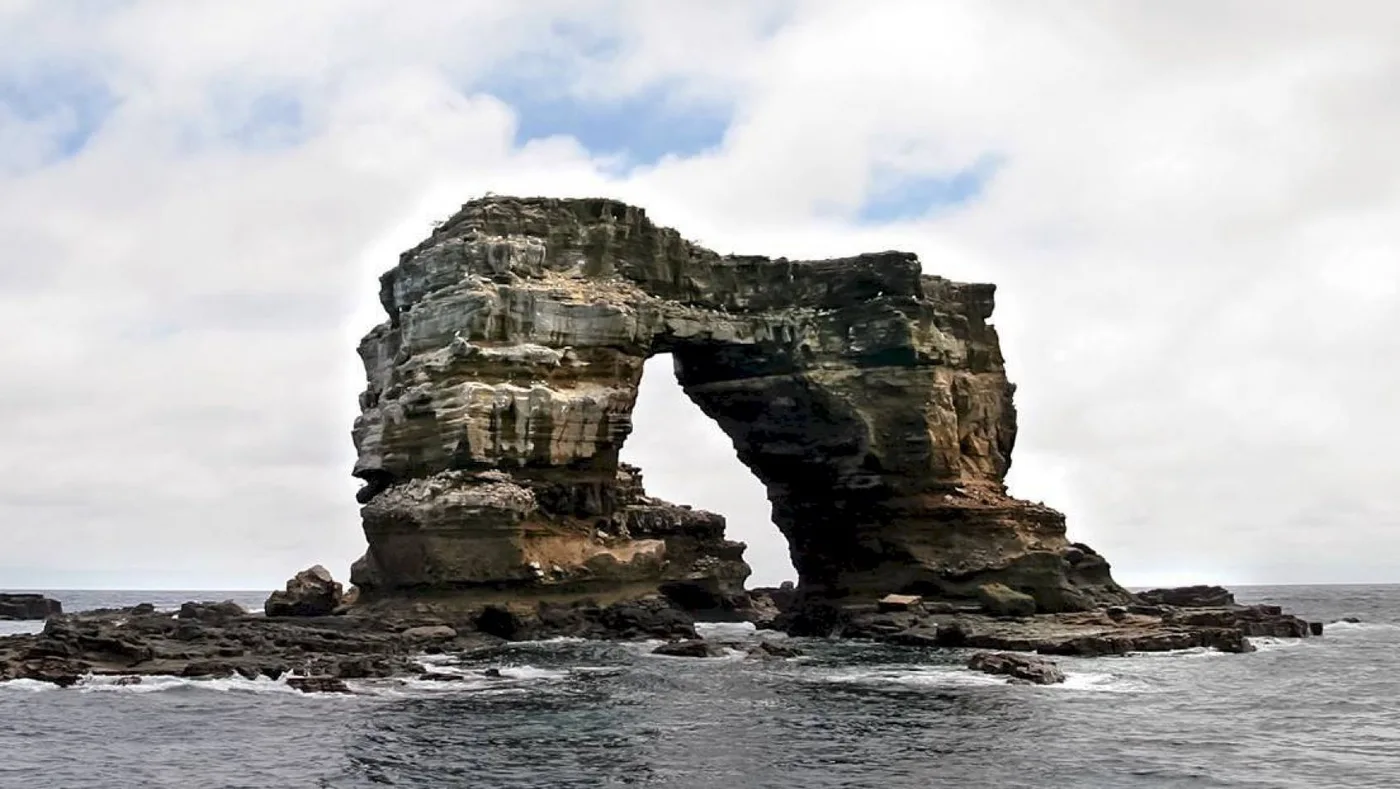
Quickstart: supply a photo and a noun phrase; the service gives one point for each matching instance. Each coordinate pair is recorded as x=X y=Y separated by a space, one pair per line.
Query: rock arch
x=870 y=399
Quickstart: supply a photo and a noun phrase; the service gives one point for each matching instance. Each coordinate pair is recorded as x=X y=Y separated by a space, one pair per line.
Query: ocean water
x=1322 y=712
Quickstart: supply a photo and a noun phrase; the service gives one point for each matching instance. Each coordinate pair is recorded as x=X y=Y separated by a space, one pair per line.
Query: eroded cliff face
x=870 y=399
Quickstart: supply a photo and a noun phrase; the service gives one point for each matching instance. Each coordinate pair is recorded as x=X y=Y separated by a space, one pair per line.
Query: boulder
x=693 y=648
x=1002 y=600
x=1189 y=597
x=429 y=633
x=311 y=592
x=17 y=606
x=900 y=602
x=1036 y=670
x=211 y=612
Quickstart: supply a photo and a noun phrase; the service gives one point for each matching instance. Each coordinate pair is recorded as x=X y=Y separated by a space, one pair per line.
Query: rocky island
x=869 y=398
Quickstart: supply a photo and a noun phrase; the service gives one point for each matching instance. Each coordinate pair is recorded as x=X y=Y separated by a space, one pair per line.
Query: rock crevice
x=869 y=398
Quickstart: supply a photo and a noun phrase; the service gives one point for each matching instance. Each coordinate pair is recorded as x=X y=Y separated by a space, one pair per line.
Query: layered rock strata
x=18 y=606
x=869 y=398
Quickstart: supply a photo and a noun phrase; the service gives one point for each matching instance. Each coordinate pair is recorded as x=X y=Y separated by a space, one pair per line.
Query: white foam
x=547 y=642
x=23 y=627
x=1357 y=627
x=531 y=673
x=927 y=677
x=512 y=680
x=1102 y=682
x=159 y=683
x=1270 y=644
x=26 y=686
x=1175 y=653
x=725 y=630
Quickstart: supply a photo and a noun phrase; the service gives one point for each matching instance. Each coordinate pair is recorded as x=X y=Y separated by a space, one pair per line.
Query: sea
x=1314 y=713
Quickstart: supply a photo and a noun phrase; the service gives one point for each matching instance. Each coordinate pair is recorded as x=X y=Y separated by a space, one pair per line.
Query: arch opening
x=686 y=457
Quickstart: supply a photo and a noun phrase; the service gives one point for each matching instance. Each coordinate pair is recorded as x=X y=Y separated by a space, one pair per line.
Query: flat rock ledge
x=1111 y=631
x=315 y=653
x=220 y=639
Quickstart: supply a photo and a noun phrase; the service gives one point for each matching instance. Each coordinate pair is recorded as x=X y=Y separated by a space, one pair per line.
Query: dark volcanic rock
x=318 y=684
x=28 y=606
x=1189 y=596
x=773 y=649
x=695 y=648
x=209 y=612
x=1035 y=670
x=871 y=399
x=915 y=637
x=311 y=592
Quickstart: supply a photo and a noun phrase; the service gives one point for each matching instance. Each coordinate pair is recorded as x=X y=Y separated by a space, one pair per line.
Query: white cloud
x=1192 y=226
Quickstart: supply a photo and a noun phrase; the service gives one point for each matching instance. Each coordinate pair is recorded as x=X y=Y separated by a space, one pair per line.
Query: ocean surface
x=1321 y=712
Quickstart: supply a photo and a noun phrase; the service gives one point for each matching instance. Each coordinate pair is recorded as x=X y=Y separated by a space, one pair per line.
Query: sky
x=1191 y=211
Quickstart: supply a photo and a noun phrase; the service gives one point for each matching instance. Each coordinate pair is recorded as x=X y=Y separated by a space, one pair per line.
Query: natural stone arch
x=870 y=400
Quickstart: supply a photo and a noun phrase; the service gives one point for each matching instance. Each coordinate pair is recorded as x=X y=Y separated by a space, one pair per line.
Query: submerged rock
x=1036 y=670
x=694 y=648
x=318 y=684
x=773 y=649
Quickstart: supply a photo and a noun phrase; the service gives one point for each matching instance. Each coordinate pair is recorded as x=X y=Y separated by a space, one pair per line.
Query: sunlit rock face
x=869 y=398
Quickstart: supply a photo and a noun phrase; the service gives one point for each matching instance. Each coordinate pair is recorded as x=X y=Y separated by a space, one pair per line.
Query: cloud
x=1188 y=208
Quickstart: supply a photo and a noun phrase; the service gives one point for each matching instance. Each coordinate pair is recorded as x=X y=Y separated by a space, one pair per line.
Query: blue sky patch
x=270 y=121
x=899 y=196
x=73 y=101
x=641 y=129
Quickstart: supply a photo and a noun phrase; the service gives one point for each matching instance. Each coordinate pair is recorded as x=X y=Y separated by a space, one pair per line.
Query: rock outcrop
x=1189 y=596
x=18 y=606
x=1021 y=668
x=311 y=592
x=870 y=399
x=216 y=640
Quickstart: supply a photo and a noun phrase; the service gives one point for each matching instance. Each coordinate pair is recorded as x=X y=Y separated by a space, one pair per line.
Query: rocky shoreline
x=870 y=399
x=330 y=642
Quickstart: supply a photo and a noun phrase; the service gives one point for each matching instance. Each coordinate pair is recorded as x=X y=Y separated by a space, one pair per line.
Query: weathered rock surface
x=311 y=592
x=1189 y=596
x=318 y=684
x=1002 y=600
x=692 y=648
x=215 y=640
x=869 y=398
x=1034 y=670
x=17 y=606
x=1084 y=634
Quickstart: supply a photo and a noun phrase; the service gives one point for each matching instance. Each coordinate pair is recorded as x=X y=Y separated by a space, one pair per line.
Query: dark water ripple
x=1316 y=713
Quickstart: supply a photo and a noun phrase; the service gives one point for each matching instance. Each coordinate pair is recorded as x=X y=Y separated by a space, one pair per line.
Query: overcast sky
x=1192 y=211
